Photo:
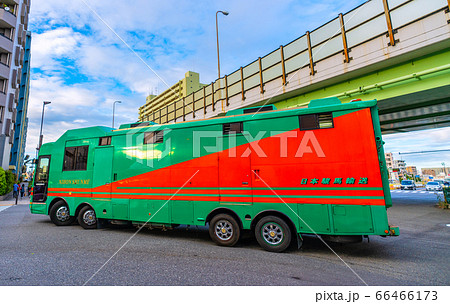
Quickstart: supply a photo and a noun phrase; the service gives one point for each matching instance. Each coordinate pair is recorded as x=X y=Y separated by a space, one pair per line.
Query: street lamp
x=217 y=36
x=445 y=173
x=42 y=123
x=114 y=108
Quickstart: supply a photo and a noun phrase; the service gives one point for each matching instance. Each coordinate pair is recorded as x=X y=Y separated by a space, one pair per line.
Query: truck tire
x=224 y=230
x=273 y=234
x=87 y=218
x=60 y=215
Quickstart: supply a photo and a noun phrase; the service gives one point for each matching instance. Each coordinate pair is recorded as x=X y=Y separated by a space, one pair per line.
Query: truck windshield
x=408 y=182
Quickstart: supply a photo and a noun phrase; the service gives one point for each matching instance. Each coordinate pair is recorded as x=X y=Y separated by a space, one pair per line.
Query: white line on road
x=416 y=191
x=3 y=208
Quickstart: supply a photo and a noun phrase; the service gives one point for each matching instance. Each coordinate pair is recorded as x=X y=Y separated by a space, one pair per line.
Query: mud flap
x=299 y=241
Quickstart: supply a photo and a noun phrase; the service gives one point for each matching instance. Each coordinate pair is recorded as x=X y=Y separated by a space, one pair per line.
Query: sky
x=81 y=66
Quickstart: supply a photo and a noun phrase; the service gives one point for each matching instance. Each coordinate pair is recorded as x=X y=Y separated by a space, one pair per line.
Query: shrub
x=3 y=186
x=10 y=178
x=442 y=202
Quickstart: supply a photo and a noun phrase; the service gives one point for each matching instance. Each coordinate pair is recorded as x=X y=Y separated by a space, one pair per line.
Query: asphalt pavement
x=33 y=251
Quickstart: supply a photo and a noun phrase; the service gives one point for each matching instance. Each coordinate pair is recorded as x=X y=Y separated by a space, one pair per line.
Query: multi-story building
x=436 y=172
x=400 y=165
x=396 y=168
x=390 y=164
x=389 y=160
x=411 y=170
x=189 y=84
x=13 y=34
x=21 y=125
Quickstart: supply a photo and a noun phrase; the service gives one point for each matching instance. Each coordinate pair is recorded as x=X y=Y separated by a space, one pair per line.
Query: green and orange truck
x=280 y=173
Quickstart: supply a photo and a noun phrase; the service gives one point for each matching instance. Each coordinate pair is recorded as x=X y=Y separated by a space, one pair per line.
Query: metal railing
x=368 y=21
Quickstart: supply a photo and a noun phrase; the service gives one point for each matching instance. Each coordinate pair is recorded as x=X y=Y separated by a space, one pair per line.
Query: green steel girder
x=441 y=124
x=385 y=122
x=400 y=90
x=410 y=106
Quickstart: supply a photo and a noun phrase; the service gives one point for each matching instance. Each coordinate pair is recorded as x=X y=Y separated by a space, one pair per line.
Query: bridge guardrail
x=366 y=22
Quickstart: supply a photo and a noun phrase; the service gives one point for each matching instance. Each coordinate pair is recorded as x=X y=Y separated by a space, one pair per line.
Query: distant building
x=21 y=125
x=400 y=165
x=189 y=84
x=389 y=160
x=412 y=170
x=396 y=168
x=436 y=172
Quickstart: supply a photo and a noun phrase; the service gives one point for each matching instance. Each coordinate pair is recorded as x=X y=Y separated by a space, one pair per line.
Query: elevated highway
x=395 y=51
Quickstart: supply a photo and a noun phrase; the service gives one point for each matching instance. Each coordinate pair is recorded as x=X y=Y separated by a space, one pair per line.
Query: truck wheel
x=59 y=214
x=273 y=234
x=224 y=230
x=87 y=218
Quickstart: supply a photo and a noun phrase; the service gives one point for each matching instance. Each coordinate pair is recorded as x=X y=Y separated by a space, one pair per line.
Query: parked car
x=443 y=183
x=433 y=186
x=408 y=185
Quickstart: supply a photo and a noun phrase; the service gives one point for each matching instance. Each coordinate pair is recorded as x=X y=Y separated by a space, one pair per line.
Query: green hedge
x=10 y=178
x=7 y=179
x=3 y=185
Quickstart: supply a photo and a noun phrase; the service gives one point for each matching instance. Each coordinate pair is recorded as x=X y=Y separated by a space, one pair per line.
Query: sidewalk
x=12 y=201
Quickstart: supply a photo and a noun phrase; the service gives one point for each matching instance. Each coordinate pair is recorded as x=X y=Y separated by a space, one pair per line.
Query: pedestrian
x=29 y=190
x=22 y=190
x=16 y=190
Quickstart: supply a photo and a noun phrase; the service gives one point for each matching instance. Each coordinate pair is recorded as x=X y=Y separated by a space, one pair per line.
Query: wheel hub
x=272 y=233
x=224 y=230
x=62 y=214
x=89 y=217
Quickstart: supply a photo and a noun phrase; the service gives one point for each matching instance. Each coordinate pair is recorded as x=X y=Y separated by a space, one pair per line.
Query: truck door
x=102 y=173
x=235 y=179
x=41 y=179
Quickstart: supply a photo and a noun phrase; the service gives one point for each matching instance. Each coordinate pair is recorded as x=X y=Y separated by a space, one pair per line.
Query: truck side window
x=75 y=158
x=104 y=141
x=155 y=137
x=316 y=121
x=232 y=128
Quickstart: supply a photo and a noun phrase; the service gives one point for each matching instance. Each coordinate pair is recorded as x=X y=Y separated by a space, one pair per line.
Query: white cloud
x=54 y=44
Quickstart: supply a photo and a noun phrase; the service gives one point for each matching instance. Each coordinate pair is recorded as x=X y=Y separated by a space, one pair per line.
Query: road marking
x=4 y=207
x=415 y=191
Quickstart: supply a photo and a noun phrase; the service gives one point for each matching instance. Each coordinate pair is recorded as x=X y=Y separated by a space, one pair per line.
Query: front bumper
x=38 y=208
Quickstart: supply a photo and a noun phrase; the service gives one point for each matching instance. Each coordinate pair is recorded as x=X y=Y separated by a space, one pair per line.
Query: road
x=33 y=251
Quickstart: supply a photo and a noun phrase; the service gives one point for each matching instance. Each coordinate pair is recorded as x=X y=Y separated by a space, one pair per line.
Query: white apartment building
x=13 y=29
